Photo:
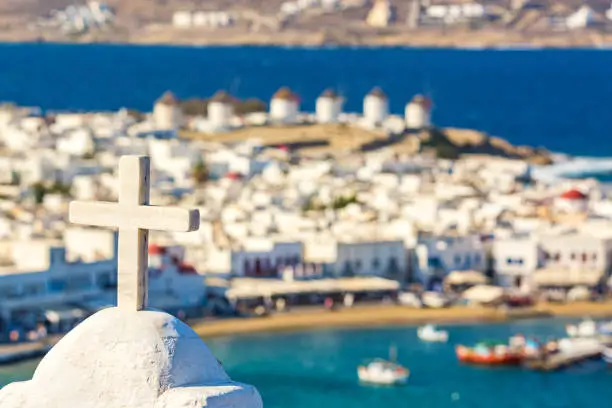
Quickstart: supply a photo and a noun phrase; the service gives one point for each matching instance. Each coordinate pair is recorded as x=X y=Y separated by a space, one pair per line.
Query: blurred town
x=313 y=22
x=291 y=221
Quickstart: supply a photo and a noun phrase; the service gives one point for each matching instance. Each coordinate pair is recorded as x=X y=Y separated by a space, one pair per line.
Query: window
x=573 y=256
x=33 y=289
x=375 y=263
x=457 y=260
x=477 y=259
x=57 y=285
x=509 y=261
x=584 y=257
x=357 y=265
x=103 y=280
x=594 y=257
x=557 y=257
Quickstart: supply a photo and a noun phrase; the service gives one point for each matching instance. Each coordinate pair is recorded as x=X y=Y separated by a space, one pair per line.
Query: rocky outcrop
x=452 y=143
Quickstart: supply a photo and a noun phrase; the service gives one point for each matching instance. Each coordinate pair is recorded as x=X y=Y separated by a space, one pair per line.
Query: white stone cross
x=133 y=216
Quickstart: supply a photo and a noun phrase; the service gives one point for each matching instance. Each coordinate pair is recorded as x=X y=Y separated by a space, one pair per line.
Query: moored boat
x=607 y=355
x=431 y=333
x=384 y=372
x=488 y=353
x=586 y=328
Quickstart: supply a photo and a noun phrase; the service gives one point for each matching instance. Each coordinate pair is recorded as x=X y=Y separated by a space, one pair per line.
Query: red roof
x=233 y=175
x=186 y=269
x=156 y=250
x=573 y=195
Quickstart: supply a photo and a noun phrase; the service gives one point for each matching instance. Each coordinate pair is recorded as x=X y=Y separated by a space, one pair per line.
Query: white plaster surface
x=127 y=359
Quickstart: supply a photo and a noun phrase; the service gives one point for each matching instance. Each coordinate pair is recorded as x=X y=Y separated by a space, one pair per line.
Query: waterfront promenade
x=360 y=316
x=368 y=316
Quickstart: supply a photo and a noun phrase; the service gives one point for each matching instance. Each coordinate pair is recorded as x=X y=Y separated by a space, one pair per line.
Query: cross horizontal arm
x=113 y=215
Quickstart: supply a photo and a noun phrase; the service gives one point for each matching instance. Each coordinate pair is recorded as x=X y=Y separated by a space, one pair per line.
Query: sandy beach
x=372 y=316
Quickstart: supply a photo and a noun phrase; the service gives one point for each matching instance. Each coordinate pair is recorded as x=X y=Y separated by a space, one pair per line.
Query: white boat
x=586 y=328
x=605 y=328
x=607 y=355
x=383 y=372
x=429 y=332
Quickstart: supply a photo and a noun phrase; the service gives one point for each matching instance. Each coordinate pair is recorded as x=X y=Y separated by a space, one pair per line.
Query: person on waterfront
x=329 y=303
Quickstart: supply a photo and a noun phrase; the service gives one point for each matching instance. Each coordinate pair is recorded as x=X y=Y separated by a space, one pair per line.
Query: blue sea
x=318 y=369
x=560 y=99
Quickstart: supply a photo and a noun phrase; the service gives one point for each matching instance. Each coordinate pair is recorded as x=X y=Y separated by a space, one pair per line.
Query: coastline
x=452 y=39
x=376 y=316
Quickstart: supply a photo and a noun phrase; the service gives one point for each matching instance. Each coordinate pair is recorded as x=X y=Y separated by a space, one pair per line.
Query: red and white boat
x=489 y=354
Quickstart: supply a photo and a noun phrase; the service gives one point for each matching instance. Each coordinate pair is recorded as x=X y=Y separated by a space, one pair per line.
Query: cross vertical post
x=134 y=187
x=134 y=217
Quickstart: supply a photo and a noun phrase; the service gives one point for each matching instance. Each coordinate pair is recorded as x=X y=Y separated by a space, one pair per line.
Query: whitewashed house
x=435 y=257
x=387 y=259
x=582 y=18
x=572 y=201
x=263 y=257
x=515 y=261
x=182 y=19
x=78 y=142
x=174 y=285
x=574 y=259
x=381 y=14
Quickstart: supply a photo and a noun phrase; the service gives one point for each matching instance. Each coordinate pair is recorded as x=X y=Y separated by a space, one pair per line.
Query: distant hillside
x=161 y=10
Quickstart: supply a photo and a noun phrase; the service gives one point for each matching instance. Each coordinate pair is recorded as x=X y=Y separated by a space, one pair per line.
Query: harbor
x=313 y=362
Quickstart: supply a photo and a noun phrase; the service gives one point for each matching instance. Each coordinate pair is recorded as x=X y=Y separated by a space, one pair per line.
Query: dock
x=14 y=353
x=563 y=359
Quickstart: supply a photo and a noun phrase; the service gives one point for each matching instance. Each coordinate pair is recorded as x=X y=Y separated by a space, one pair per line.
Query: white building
x=284 y=106
x=182 y=19
x=382 y=14
x=174 y=285
x=167 y=113
x=574 y=259
x=418 y=113
x=220 y=111
x=582 y=18
x=387 y=259
x=436 y=257
x=572 y=201
x=515 y=260
x=328 y=107
x=44 y=287
x=78 y=142
x=261 y=257
x=455 y=13
x=375 y=107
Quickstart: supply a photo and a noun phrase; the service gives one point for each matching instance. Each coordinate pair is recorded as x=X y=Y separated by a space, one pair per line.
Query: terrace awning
x=466 y=278
x=561 y=277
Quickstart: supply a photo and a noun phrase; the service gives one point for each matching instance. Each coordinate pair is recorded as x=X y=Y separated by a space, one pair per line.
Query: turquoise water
x=556 y=98
x=317 y=369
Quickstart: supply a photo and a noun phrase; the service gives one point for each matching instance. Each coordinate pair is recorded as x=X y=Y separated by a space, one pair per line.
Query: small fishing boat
x=586 y=328
x=605 y=329
x=607 y=355
x=431 y=333
x=489 y=353
x=384 y=372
